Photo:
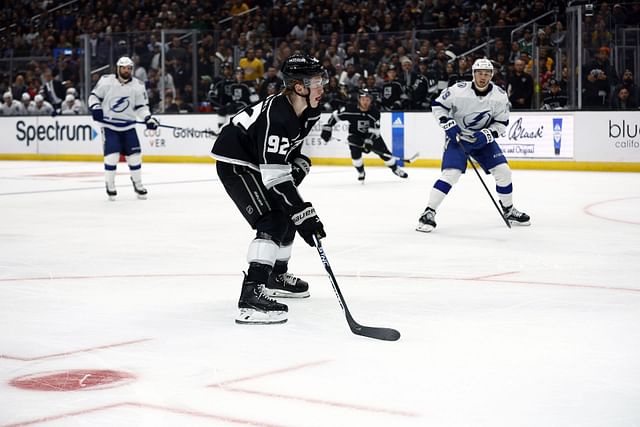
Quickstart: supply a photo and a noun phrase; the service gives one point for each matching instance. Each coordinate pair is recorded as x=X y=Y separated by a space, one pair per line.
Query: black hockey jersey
x=361 y=123
x=266 y=136
x=392 y=95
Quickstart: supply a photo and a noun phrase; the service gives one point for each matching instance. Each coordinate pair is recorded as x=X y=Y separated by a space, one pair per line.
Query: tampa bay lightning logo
x=477 y=121
x=120 y=104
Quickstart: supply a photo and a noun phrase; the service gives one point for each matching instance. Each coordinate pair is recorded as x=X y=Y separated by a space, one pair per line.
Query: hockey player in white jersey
x=40 y=107
x=118 y=101
x=11 y=107
x=473 y=114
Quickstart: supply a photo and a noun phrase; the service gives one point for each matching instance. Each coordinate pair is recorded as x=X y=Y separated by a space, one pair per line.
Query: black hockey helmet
x=300 y=68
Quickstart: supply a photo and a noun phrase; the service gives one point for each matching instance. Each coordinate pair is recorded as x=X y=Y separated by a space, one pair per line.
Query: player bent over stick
x=260 y=164
x=124 y=99
x=472 y=115
x=364 y=133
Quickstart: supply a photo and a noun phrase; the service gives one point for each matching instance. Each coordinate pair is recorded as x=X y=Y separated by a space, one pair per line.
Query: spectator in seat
x=520 y=87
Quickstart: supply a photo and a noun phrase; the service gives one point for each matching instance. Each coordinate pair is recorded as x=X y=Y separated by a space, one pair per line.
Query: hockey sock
x=504 y=187
x=262 y=250
x=442 y=187
x=110 y=165
x=280 y=267
x=258 y=272
x=135 y=164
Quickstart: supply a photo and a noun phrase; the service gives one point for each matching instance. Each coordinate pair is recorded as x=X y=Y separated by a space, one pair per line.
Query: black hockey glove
x=326 y=133
x=151 y=122
x=367 y=145
x=300 y=167
x=307 y=223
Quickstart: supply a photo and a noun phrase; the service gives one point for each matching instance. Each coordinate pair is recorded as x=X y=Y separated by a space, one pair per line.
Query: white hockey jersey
x=15 y=108
x=472 y=112
x=122 y=103
x=44 y=109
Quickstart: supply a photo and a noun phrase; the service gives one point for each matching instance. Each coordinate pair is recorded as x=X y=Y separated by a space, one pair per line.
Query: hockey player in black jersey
x=260 y=164
x=221 y=94
x=364 y=133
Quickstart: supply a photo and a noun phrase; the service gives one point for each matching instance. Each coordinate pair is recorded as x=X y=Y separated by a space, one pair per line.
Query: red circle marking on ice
x=78 y=379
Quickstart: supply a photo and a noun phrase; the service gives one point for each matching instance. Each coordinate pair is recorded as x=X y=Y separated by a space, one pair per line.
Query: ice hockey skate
x=399 y=172
x=257 y=308
x=111 y=191
x=286 y=286
x=514 y=216
x=141 y=192
x=427 y=221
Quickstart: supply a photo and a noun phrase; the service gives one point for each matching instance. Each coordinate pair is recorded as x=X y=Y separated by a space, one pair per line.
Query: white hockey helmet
x=38 y=98
x=481 y=64
x=69 y=98
x=124 y=61
x=7 y=95
x=26 y=97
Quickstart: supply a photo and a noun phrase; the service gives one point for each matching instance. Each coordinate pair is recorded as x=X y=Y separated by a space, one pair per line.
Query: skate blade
x=278 y=293
x=112 y=198
x=142 y=196
x=249 y=316
x=425 y=228
x=521 y=224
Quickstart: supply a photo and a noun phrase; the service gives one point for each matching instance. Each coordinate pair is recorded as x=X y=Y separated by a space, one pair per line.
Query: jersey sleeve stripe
x=437 y=104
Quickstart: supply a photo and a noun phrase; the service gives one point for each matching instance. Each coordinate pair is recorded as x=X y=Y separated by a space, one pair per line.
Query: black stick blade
x=385 y=334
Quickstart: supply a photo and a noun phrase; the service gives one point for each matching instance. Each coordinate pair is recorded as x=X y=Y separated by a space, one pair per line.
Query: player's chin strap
x=306 y=97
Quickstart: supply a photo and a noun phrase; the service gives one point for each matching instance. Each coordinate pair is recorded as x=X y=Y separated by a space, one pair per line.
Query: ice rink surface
x=122 y=313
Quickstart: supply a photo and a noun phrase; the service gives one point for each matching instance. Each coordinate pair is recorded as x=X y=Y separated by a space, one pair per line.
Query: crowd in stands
x=404 y=51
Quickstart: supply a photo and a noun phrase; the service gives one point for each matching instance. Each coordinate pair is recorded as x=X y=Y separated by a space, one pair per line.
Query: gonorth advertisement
x=80 y=135
x=608 y=136
x=538 y=136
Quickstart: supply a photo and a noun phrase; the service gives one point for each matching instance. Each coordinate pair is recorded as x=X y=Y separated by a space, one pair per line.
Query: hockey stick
x=132 y=122
x=386 y=334
x=380 y=153
x=471 y=160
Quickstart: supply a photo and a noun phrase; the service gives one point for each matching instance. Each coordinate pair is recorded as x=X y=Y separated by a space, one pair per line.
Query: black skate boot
x=514 y=216
x=111 y=191
x=427 y=221
x=399 y=171
x=286 y=285
x=141 y=192
x=361 y=173
x=257 y=308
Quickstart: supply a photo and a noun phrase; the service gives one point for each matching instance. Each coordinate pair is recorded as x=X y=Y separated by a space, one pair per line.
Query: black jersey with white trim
x=361 y=123
x=266 y=136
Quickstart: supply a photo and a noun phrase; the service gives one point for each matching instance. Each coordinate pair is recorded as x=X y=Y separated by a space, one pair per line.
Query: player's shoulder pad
x=462 y=84
x=137 y=81
x=499 y=89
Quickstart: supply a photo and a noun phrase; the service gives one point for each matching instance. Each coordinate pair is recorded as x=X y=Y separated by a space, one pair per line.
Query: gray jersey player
x=473 y=114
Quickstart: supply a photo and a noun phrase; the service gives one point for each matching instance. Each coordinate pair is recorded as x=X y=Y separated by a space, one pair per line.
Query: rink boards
x=604 y=140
